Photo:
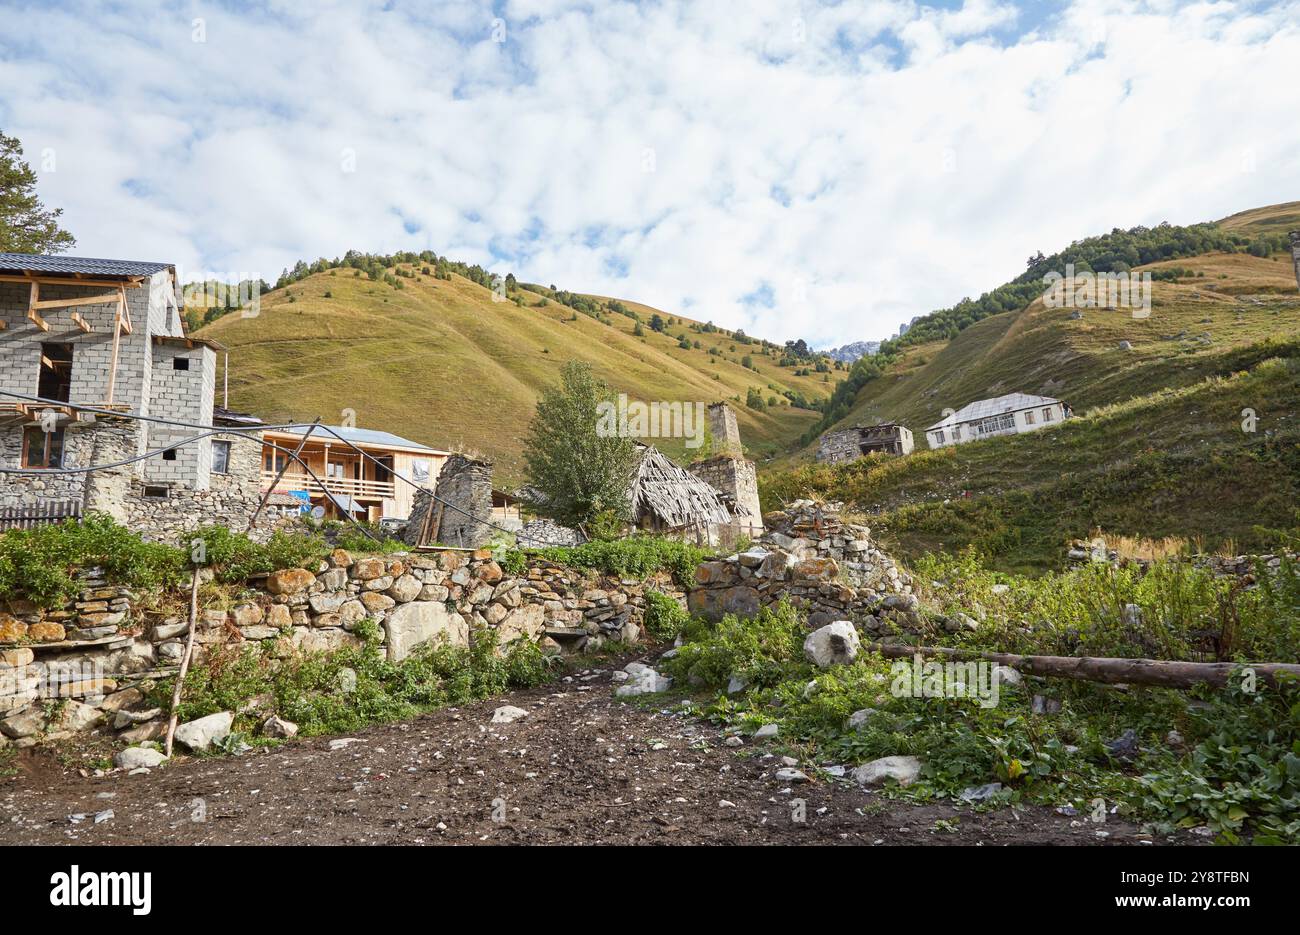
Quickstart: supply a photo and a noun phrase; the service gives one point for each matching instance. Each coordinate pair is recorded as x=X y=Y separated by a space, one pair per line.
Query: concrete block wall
x=184 y=395
x=92 y=354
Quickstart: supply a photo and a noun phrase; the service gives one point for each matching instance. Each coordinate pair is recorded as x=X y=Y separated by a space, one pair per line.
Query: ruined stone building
x=730 y=473
x=109 y=334
x=861 y=440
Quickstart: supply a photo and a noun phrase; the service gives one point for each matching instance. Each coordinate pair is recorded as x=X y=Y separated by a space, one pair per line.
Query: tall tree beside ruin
x=26 y=226
x=581 y=472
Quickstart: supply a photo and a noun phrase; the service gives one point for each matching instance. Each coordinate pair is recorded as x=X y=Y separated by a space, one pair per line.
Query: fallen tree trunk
x=1100 y=668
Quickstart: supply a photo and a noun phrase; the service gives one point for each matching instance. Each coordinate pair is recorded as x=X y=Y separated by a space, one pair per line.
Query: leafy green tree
x=579 y=467
x=26 y=226
x=657 y=323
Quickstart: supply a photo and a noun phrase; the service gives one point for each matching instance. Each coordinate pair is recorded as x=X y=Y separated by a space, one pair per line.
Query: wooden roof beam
x=104 y=298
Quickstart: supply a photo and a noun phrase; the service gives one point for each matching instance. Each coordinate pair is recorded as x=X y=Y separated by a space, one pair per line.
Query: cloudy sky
x=823 y=171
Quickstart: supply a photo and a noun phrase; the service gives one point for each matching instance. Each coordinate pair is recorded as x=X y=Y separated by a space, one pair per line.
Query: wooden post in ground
x=185 y=661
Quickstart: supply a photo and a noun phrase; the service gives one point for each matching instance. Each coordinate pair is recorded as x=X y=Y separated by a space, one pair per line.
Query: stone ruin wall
x=823 y=566
x=95 y=652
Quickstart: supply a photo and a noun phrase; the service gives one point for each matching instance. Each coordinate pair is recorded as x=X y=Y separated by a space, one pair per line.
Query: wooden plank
x=81 y=322
x=102 y=299
x=129 y=283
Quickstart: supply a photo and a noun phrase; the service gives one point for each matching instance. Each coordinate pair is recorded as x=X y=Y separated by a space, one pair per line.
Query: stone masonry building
x=108 y=334
x=862 y=440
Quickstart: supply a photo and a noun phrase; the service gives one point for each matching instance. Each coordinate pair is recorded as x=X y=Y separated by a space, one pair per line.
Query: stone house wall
x=737 y=479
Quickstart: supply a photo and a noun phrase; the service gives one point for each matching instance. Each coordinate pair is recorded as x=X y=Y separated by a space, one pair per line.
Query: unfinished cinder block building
x=109 y=334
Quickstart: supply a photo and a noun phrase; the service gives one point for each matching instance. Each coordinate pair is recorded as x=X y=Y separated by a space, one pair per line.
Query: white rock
x=735 y=685
x=199 y=734
x=138 y=757
x=903 y=769
x=508 y=714
x=642 y=680
x=767 y=732
x=834 y=644
x=859 y=719
x=276 y=726
x=791 y=775
x=1006 y=675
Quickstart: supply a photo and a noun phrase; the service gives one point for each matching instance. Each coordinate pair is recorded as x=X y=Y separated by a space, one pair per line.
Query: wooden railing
x=368 y=489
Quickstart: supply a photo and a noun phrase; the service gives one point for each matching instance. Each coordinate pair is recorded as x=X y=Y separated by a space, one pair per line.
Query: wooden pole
x=117 y=339
x=269 y=490
x=1112 y=671
x=185 y=661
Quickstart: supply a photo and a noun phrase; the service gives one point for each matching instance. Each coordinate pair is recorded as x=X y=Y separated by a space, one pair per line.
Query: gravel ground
x=582 y=767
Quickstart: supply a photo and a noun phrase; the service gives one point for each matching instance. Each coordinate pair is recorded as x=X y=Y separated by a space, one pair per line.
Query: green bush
x=636 y=557
x=1244 y=774
x=39 y=564
x=664 y=617
x=759 y=650
x=349 y=688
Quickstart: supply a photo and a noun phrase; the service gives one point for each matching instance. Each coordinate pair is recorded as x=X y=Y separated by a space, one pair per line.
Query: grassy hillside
x=440 y=362
x=1158 y=449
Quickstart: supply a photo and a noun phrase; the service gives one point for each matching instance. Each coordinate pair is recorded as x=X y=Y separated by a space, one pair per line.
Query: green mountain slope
x=440 y=362
x=1158 y=448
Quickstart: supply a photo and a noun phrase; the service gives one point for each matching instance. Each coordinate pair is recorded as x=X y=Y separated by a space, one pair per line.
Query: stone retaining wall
x=97 y=649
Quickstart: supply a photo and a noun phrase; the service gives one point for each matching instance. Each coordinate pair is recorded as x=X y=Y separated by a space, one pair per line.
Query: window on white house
x=1029 y=417
x=221 y=457
x=1047 y=414
x=180 y=363
x=995 y=424
x=939 y=438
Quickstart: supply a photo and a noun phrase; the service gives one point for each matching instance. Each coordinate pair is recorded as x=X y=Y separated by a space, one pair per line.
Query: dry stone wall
x=95 y=652
x=827 y=568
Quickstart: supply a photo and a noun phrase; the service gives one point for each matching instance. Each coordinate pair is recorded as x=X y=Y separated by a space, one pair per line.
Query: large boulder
x=421 y=623
x=834 y=644
x=903 y=769
x=199 y=735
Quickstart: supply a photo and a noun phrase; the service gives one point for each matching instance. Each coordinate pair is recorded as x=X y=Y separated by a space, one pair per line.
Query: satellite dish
x=317 y=514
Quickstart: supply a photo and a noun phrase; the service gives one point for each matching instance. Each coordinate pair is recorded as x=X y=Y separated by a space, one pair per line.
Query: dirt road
x=582 y=767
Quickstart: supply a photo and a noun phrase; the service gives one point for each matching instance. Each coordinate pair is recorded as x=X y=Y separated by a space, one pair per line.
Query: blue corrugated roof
x=44 y=263
x=364 y=437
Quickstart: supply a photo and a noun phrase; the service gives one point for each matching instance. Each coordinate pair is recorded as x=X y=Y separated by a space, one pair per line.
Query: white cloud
x=861 y=162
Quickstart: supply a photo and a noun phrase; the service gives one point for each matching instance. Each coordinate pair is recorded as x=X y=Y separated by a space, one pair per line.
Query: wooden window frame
x=44 y=465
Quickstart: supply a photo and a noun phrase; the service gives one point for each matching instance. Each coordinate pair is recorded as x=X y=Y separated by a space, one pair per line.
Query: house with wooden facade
x=372 y=486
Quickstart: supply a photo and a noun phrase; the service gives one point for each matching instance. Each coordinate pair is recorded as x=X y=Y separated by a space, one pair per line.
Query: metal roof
x=983 y=408
x=44 y=263
x=362 y=437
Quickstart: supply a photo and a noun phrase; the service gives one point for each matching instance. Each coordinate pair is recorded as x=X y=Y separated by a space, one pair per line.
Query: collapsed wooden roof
x=671 y=495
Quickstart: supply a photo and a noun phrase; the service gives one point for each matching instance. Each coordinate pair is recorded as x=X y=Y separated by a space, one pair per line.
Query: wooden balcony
x=357 y=489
